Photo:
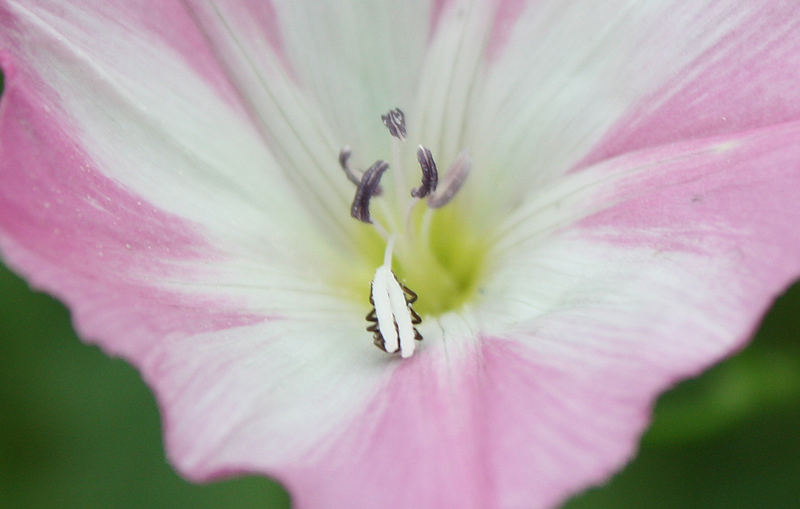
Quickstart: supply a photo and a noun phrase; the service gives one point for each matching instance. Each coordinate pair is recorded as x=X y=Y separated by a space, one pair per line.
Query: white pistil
x=392 y=311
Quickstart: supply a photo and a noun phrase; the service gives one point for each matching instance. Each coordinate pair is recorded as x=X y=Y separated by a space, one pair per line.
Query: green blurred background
x=78 y=429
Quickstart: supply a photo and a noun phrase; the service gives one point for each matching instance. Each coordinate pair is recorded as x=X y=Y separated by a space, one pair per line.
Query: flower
x=169 y=169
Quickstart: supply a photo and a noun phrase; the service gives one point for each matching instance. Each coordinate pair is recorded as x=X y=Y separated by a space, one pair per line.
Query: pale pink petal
x=326 y=78
x=452 y=69
x=745 y=80
x=680 y=251
x=155 y=136
x=570 y=83
x=75 y=228
x=261 y=398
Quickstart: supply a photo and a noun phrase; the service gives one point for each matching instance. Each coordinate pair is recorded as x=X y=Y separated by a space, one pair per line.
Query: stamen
x=367 y=188
x=430 y=177
x=344 y=157
x=393 y=320
x=353 y=176
x=395 y=121
x=451 y=182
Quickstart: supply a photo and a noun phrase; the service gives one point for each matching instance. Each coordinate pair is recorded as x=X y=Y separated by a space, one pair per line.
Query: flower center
x=430 y=254
x=441 y=261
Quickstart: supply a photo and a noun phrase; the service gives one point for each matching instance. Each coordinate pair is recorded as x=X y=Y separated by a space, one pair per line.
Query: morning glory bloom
x=628 y=207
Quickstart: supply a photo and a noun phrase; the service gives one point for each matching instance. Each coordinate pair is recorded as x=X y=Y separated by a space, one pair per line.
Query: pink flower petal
x=743 y=81
x=151 y=217
x=89 y=241
x=261 y=398
x=333 y=66
x=69 y=224
x=680 y=251
x=569 y=84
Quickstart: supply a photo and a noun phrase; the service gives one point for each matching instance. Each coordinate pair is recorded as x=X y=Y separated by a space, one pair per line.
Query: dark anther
x=367 y=188
x=430 y=177
x=353 y=176
x=452 y=181
x=395 y=121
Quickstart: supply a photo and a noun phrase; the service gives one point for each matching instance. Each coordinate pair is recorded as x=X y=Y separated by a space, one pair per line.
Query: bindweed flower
x=619 y=211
